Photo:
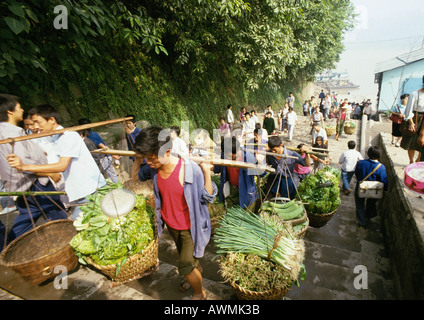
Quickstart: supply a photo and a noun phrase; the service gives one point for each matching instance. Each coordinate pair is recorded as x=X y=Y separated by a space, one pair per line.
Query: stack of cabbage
x=321 y=191
x=107 y=240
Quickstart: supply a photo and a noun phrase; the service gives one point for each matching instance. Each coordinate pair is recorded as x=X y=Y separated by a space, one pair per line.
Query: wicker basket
x=301 y=234
x=330 y=131
x=214 y=224
x=319 y=220
x=35 y=254
x=142 y=187
x=244 y=294
x=136 y=267
x=349 y=130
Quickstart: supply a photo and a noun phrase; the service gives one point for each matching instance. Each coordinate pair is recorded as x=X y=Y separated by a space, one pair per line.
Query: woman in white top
x=416 y=142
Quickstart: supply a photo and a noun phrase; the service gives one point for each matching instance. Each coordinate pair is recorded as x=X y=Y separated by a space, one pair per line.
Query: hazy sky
x=384 y=30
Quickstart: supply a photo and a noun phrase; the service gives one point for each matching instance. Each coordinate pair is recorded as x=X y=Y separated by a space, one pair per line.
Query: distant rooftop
x=399 y=61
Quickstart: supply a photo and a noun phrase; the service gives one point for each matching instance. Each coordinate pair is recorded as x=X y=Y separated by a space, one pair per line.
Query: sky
x=384 y=30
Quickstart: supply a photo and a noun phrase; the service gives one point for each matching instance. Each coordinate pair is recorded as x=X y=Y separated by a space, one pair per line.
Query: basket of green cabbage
x=321 y=194
x=123 y=248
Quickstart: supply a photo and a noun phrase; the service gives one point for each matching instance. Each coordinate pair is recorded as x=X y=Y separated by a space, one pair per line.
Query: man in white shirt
x=348 y=160
x=230 y=117
x=30 y=208
x=179 y=147
x=326 y=106
x=253 y=116
x=80 y=171
x=319 y=132
x=248 y=126
x=291 y=122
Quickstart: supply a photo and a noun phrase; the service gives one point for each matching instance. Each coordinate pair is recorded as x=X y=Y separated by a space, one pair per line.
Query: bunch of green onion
x=241 y=231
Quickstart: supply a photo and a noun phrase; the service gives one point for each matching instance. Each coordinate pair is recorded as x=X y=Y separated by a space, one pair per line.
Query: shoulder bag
x=371 y=189
x=395 y=118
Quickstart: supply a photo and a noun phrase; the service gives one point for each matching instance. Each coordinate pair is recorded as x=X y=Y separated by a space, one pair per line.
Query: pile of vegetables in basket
x=286 y=211
x=258 y=252
x=291 y=212
x=321 y=191
x=350 y=125
x=110 y=241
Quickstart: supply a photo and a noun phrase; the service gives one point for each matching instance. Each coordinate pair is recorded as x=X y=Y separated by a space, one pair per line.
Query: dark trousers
x=31 y=208
x=285 y=186
x=365 y=208
x=2 y=236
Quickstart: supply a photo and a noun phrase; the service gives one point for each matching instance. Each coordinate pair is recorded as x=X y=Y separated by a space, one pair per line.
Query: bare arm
x=60 y=166
x=206 y=168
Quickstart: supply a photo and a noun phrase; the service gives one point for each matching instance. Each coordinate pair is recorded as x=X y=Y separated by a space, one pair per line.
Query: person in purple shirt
x=198 y=190
x=366 y=208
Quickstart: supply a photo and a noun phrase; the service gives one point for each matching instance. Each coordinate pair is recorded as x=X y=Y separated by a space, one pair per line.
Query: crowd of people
x=303 y=163
x=182 y=188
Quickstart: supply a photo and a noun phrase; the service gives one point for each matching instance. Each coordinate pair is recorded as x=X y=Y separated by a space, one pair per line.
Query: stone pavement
x=332 y=254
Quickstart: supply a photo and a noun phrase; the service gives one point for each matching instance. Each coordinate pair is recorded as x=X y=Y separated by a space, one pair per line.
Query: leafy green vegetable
x=320 y=199
x=112 y=240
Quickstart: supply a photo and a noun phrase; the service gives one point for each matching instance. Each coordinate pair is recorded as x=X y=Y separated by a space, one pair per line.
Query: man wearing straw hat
x=31 y=208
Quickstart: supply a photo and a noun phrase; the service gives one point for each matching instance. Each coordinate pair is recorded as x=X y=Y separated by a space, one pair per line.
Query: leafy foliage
x=166 y=60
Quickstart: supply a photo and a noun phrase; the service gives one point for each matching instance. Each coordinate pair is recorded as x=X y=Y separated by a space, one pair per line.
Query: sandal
x=184 y=285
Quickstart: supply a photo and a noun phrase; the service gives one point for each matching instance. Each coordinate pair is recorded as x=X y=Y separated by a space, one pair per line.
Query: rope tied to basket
x=276 y=241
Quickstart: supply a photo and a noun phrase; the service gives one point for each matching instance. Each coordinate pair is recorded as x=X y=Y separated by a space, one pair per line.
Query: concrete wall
x=403 y=238
x=392 y=81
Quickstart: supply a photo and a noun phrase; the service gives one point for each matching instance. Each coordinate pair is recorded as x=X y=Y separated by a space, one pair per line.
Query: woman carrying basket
x=414 y=113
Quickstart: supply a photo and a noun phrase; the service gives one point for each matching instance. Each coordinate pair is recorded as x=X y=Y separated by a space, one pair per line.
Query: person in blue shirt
x=366 y=208
x=284 y=181
x=196 y=189
x=131 y=131
x=237 y=185
x=106 y=161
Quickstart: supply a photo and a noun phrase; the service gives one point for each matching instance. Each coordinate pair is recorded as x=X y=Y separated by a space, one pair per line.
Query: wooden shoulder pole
x=59 y=131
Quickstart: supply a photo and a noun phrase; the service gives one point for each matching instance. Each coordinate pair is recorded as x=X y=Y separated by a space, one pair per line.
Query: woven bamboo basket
x=349 y=130
x=244 y=294
x=319 y=220
x=214 y=224
x=301 y=234
x=137 y=266
x=330 y=131
x=35 y=254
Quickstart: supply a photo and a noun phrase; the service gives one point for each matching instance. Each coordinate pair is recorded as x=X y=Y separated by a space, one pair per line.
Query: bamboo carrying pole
x=220 y=162
x=318 y=154
x=59 y=131
x=32 y=193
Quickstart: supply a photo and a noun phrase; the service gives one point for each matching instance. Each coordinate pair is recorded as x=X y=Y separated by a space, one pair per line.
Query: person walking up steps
x=291 y=122
x=182 y=189
x=348 y=160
